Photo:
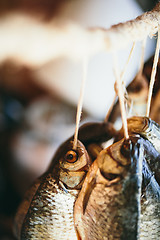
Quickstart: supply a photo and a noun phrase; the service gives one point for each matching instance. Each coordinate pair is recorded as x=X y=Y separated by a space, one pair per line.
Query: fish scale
x=150 y=217
x=54 y=211
x=101 y=222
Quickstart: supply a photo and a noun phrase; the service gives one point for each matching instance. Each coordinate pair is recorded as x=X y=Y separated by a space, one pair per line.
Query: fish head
x=72 y=166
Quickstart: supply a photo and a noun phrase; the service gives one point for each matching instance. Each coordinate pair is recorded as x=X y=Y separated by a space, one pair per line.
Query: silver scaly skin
x=150 y=215
x=150 y=201
x=51 y=211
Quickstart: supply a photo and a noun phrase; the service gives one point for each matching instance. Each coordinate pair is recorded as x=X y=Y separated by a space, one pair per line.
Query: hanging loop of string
x=128 y=60
x=153 y=74
x=80 y=102
x=120 y=93
x=142 y=57
x=121 y=77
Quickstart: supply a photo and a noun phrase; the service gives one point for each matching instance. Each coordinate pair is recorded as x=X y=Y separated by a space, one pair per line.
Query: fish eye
x=71 y=156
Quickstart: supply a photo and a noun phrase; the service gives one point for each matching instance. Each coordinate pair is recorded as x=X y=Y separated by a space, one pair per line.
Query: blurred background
x=38 y=102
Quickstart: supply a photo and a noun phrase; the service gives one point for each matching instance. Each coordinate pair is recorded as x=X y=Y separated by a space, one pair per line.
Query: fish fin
x=78 y=235
x=23 y=208
x=88 y=192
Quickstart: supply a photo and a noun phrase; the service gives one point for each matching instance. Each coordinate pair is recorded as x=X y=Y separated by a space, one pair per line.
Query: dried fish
x=109 y=204
x=47 y=212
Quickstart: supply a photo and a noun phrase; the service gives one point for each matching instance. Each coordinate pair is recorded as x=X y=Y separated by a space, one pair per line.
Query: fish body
x=50 y=215
x=150 y=206
x=150 y=196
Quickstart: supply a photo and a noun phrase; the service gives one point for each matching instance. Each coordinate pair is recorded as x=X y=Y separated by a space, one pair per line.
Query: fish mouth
x=72 y=180
x=138 y=124
x=67 y=190
x=116 y=160
x=135 y=124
